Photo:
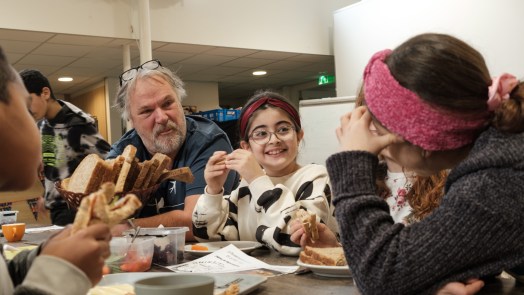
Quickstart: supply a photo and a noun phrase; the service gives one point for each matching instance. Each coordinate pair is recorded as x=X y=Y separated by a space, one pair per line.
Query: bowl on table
x=176 y=284
x=169 y=243
x=130 y=256
x=8 y=217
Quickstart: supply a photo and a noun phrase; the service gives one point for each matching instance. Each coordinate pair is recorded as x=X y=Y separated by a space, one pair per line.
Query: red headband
x=267 y=100
x=404 y=113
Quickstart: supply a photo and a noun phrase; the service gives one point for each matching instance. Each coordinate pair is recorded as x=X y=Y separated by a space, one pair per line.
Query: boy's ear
x=46 y=93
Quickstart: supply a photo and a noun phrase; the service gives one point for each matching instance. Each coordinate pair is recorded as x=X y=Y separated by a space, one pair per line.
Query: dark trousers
x=62 y=214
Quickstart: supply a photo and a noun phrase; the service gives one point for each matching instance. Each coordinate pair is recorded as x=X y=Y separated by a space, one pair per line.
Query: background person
x=274 y=186
x=64 y=264
x=150 y=97
x=453 y=115
x=68 y=135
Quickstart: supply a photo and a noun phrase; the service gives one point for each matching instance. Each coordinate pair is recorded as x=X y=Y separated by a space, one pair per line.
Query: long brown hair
x=426 y=191
x=448 y=73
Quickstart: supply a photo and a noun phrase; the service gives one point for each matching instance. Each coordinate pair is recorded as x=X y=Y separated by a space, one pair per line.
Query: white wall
x=494 y=27
x=320 y=118
x=203 y=95
x=303 y=26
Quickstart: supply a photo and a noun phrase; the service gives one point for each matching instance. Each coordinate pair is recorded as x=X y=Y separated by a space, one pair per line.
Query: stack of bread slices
x=333 y=256
x=125 y=171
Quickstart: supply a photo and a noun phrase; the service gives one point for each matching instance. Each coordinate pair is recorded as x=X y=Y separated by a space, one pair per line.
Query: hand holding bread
x=96 y=208
x=309 y=222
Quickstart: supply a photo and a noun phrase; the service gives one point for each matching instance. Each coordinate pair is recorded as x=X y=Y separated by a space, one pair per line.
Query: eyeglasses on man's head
x=131 y=73
x=263 y=136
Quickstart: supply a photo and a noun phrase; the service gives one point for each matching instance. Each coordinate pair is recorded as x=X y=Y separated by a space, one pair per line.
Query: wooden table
x=310 y=283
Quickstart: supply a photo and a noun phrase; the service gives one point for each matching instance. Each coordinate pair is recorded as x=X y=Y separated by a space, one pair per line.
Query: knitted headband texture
x=267 y=100
x=402 y=112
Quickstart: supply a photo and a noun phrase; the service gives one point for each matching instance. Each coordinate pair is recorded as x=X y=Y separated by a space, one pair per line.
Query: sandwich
x=333 y=256
x=309 y=221
x=99 y=207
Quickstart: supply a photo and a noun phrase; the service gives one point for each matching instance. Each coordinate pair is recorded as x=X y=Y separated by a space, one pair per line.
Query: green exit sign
x=326 y=79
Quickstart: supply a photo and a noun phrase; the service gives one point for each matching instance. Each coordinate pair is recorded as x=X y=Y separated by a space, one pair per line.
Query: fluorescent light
x=65 y=79
x=259 y=73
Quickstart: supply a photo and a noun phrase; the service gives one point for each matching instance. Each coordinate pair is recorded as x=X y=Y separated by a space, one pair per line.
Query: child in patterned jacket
x=273 y=187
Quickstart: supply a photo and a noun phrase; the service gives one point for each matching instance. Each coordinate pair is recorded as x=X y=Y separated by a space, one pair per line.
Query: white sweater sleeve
x=212 y=219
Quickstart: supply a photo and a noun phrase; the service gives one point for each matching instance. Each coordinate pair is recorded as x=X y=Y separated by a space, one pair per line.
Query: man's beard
x=168 y=144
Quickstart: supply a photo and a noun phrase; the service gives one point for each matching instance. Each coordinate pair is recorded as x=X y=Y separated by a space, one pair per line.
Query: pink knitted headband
x=402 y=112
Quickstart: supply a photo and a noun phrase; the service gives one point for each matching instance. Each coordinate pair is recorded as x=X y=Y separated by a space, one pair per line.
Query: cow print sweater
x=261 y=211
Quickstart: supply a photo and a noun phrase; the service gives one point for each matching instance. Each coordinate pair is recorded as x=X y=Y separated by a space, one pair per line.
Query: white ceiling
x=90 y=59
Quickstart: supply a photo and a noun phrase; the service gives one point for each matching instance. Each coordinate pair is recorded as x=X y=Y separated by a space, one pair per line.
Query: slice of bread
x=129 y=156
x=183 y=174
x=119 y=161
x=88 y=176
x=144 y=168
x=332 y=256
x=154 y=166
x=132 y=175
x=108 y=174
x=165 y=161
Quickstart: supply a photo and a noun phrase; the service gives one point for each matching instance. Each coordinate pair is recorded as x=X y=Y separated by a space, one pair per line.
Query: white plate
x=246 y=284
x=244 y=246
x=327 y=271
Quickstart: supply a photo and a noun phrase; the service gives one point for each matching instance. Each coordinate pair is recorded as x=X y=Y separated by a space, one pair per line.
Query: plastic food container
x=8 y=217
x=169 y=243
x=130 y=257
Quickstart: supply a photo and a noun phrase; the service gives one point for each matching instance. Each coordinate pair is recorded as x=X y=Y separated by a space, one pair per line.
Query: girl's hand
x=471 y=287
x=216 y=172
x=354 y=133
x=326 y=237
x=245 y=164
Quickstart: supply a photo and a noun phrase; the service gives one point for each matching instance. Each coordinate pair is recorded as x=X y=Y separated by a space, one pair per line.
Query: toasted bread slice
x=119 y=162
x=165 y=161
x=108 y=174
x=181 y=174
x=154 y=166
x=132 y=175
x=88 y=176
x=129 y=155
x=144 y=168
x=308 y=259
x=332 y=256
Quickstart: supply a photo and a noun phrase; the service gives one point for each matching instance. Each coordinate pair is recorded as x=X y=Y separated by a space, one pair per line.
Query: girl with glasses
x=273 y=187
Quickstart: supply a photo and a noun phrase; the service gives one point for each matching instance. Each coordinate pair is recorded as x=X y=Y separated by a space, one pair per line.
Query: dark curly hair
x=426 y=191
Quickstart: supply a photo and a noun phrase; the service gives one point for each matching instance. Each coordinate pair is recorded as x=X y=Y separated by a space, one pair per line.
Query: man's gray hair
x=122 y=97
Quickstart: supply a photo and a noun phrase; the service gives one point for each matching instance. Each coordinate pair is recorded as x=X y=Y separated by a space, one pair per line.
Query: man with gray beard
x=150 y=98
